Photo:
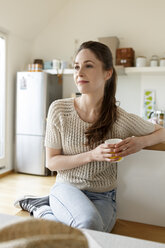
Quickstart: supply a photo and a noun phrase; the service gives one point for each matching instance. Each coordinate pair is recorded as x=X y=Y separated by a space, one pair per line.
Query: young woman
x=85 y=189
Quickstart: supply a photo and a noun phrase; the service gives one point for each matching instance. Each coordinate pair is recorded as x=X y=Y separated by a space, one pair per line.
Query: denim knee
x=91 y=221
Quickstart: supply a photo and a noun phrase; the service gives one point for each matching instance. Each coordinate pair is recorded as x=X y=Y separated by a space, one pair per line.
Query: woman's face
x=89 y=75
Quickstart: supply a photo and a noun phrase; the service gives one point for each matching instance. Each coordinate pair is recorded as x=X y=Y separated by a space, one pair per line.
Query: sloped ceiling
x=26 y=18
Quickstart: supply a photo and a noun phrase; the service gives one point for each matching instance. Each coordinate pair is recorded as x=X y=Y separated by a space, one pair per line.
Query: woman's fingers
x=128 y=146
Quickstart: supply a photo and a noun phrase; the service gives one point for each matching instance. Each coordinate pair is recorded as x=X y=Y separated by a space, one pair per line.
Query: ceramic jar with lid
x=154 y=61
x=141 y=61
x=162 y=61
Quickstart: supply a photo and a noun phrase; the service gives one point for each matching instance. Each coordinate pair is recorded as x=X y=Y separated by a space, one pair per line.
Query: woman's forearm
x=134 y=144
x=66 y=162
x=156 y=137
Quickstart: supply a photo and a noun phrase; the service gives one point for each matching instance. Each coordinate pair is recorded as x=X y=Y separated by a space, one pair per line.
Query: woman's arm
x=134 y=144
x=156 y=137
x=55 y=160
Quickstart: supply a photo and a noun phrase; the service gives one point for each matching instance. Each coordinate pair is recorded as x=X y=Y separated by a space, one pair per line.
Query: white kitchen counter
x=107 y=240
x=141 y=187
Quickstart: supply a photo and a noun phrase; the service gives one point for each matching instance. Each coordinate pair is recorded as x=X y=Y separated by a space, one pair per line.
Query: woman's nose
x=81 y=71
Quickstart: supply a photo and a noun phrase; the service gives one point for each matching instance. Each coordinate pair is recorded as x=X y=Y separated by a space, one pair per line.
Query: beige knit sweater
x=65 y=130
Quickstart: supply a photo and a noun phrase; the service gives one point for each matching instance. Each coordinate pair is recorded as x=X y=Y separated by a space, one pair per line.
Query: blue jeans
x=81 y=208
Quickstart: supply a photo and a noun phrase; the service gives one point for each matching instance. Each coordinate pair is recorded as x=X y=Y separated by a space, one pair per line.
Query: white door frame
x=3 y=159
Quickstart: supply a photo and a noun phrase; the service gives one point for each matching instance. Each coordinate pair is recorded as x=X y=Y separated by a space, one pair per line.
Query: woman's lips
x=83 y=82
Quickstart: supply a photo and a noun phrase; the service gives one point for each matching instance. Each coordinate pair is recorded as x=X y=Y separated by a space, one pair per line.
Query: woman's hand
x=103 y=152
x=128 y=146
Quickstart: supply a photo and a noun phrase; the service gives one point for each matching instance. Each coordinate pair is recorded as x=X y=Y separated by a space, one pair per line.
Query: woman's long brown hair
x=108 y=112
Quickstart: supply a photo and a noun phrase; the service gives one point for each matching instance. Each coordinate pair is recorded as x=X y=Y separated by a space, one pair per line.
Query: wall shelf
x=121 y=70
x=144 y=70
x=54 y=71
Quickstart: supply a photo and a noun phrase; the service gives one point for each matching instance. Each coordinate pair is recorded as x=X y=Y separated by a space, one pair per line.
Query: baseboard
x=6 y=173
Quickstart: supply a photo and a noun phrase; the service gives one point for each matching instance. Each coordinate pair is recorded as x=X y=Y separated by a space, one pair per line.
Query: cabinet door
x=30 y=154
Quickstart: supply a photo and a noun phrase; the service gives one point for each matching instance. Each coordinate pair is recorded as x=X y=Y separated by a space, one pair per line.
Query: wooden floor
x=15 y=185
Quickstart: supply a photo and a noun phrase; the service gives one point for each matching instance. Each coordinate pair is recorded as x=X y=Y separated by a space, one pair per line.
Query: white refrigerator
x=34 y=93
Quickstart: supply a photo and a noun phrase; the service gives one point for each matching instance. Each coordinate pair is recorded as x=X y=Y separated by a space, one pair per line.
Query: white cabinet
x=141 y=186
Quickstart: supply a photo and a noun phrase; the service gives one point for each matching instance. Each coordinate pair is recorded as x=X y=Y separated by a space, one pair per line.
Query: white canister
x=162 y=62
x=141 y=61
x=56 y=64
x=154 y=61
x=63 y=64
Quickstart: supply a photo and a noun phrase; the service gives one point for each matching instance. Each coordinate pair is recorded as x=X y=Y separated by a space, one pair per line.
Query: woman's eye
x=76 y=67
x=89 y=66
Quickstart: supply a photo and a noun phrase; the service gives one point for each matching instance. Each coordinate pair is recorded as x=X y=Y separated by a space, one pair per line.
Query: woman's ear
x=108 y=74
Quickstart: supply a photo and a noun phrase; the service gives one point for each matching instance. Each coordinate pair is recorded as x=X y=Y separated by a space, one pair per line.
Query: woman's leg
x=44 y=212
x=72 y=207
x=106 y=206
x=105 y=203
x=37 y=206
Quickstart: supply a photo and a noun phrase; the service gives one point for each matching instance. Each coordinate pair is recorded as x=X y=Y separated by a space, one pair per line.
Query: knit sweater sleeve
x=53 y=133
x=132 y=125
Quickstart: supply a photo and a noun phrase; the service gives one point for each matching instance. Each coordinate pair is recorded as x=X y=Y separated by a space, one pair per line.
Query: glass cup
x=114 y=141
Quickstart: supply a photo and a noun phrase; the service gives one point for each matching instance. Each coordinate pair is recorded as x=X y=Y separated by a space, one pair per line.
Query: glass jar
x=154 y=61
x=162 y=62
x=161 y=118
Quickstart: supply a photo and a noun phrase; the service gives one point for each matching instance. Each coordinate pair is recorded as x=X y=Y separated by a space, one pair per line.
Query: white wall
x=130 y=91
x=18 y=55
x=137 y=23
